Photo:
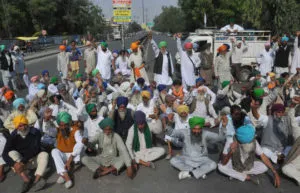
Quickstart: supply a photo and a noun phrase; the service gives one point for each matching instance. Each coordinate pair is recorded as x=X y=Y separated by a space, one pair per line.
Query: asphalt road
x=164 y=179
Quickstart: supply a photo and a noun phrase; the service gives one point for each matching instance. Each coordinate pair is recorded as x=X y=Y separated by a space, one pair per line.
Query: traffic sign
x=122 y=11
x=150 y=24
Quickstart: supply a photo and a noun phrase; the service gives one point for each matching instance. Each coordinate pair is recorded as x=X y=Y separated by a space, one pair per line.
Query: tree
x=170 y=20
x=133 y=27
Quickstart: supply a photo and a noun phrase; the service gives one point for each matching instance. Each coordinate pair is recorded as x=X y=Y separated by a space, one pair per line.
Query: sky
x=152 y=8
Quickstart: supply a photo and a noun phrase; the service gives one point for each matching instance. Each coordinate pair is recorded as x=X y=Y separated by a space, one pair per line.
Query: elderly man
x=163 y=66
x=91 y=124
x=105 y=61
x=24 y=148
x=266 y=60
x=19 y=106
x=222 y=64
x=139 y=142
x=68 y=148
x=66 y=96
x=190 y=62
x=113 y=155
x=202 y=106
x=63 y=62
x=278 y=130
x=238 y=160
x=89 y=58
x=122 y=116
x=238 y=50
x=194 y=160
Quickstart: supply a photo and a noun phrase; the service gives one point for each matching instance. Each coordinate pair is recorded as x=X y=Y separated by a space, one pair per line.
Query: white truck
x=254 y=39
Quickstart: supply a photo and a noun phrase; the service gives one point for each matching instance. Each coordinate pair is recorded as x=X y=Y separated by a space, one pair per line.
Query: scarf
x=137 y=72
x=178 y=93
x=136 y=141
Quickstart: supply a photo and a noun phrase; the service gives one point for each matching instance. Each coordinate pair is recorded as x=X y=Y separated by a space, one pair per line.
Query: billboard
x=121 y=11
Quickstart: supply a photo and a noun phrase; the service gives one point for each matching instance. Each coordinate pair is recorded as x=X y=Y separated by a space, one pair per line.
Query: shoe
x=168 y=157
x=26 y=186
x=60 y=180
x=68 y=184
x=152 y=165
x=183 y=175
x=97 y=173
x=39 y=185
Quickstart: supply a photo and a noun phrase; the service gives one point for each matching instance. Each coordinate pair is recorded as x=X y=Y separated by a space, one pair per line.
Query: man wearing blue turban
x=283 y=58
x=238 y=159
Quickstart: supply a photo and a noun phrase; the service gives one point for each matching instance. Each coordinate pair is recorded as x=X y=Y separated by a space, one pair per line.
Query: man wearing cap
x=68 y=148
x=139 y=142
x=89 y=58
x=278 y=130
x=23 y=148
x=163 y=66
x=190 y=62
x=283 y=57
x=194 y=160
x=105 y=61
x=122 y=116
x=238 y=159
x=63 y=62
x=91 y=124
x=137 y=64
x=113 y=155
x=265 y=60
x=232 y=28
x=7 y=67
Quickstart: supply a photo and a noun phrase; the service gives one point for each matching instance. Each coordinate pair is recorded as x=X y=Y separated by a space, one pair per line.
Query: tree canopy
x=25 y=17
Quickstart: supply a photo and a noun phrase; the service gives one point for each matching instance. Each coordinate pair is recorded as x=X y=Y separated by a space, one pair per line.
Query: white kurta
x=104 y=63
x=265 y=61
x=91 y=127
x=19 y=63
x=137 y=59
x=232 y=29
x=237 y=53
x=296 y=58
x=222 y=67
x=63 y=60
x=123 y=65
x=90 y=59
x=187 y=67
x=164 y=77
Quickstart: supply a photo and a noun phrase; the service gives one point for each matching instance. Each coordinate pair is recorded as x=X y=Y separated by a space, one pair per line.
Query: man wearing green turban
x=194 y=160
x=68 y=148
x=114 y=155
x=105 y=61
x=163 y=66
x=2 y=47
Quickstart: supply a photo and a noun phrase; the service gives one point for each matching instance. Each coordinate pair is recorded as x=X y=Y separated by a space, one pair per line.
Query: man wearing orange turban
x=222 y=64
x=63 y=62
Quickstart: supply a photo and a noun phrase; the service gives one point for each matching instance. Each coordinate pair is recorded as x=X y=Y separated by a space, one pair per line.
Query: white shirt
x=181 y=124
x=266 y=61
x=237 y=53
x=232 y=29
x=91 y=127
x=149 y=110
x=104 y=63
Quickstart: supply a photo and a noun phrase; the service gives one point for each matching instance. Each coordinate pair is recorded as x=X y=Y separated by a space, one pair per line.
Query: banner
x=121 y=11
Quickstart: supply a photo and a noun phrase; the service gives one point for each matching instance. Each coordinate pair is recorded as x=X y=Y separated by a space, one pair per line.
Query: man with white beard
x=113 y=156
x=136 y=97
x=194 y=160
x=89 y=58
x=122 y=64
x=202 y=107
x=122 y=116
x=238 y=159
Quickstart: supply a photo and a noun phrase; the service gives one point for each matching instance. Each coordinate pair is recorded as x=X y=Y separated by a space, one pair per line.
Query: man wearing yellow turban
x=22 y=146
x=194 y=160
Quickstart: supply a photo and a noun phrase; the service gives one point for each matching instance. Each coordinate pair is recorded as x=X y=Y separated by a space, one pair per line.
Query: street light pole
x=143 y=7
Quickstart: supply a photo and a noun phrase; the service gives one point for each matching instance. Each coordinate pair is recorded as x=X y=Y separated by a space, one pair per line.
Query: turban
x=95 y=72
x=61 y=86
x=194 y=121
x=136 y=88
x=188 y=45
x=231 y=20
x=267 y=44
x=170 y=98
x=44 y=72
x=195 y=46
x=183 y=109
x=20 y=119
x=271 y=85
x=104 y=44
x=272 y=74
x=107 y=122
x=41 y=86
x=19 y=101
x=277 y=107
x=162 y=44
x=53 y=80
x=258 y=93
x=140 y=80
x=129 y=51
x=284 y=39
x=63 y=117
x=222 y=48
x=200 y=79
x=40 y=93
x=281 y=81
x=146 y=94
x=88 y=43
x=257 y=83
x=9 y=94
x=245 y=134
x=62 y=47
x=79 y=75
x=122 y=101
x=134 y=46
x=34 y=78
x=2 y=47
x=89 y=107
x=225 y=83
x=140 y=117
x=78 y=84
x=161 y=87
